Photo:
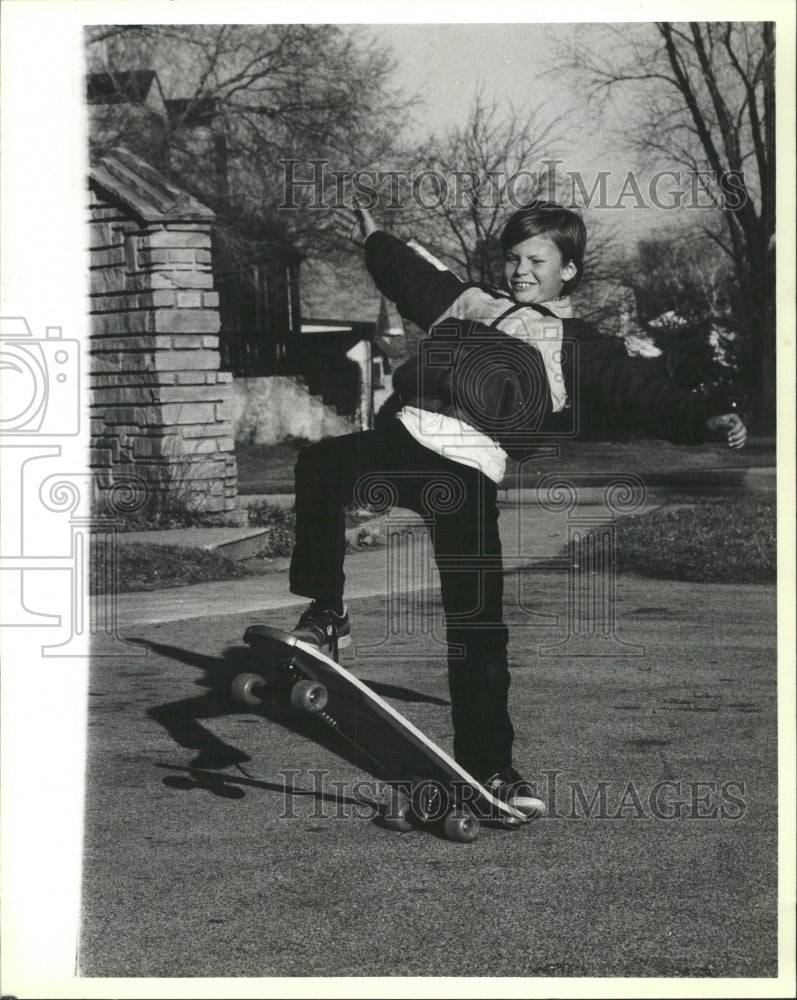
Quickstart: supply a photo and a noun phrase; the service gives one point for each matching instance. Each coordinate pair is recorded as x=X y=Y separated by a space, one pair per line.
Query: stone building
x=160 y=406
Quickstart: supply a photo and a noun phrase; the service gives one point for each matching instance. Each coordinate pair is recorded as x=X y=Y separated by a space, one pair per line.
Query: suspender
x=514 y=308
x=544 y=311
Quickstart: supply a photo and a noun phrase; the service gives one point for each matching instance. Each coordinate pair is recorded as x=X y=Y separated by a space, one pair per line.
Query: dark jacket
x=605 y=387
x=486 y=378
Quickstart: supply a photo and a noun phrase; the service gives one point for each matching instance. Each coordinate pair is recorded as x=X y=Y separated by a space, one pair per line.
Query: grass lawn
x=264 y=469
x=148 y=566
x=643 y=456
x=714 y=540
x=143 y=566
x=708 y=540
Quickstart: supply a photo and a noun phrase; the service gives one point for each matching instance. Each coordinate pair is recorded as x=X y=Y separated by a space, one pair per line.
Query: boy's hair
x=565 y=227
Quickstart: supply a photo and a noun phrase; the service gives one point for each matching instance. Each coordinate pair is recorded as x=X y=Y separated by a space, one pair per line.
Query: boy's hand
x=730 y=426
x=354 y=224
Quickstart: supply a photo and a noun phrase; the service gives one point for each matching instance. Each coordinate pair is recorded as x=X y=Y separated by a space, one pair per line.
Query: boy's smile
x=534 y=270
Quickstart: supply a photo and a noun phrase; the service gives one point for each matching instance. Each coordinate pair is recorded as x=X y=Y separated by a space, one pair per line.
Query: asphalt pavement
x=233 y=842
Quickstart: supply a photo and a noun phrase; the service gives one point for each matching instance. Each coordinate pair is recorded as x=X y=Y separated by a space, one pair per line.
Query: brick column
x=160 y=407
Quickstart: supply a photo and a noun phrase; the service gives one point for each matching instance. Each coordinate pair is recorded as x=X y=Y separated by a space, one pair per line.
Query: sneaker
x=326 y=630
x=508 y=786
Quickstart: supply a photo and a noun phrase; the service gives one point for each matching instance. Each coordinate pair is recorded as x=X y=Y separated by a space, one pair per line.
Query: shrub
x=281 y=525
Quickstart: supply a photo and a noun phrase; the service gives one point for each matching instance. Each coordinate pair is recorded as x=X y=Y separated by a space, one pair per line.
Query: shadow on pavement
x=182 y=719
x=228 y=786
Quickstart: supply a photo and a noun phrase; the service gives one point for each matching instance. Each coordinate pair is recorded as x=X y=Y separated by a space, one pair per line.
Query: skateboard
x=425 y=784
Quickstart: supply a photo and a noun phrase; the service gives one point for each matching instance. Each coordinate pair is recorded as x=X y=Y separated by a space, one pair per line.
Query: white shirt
x=457 y=440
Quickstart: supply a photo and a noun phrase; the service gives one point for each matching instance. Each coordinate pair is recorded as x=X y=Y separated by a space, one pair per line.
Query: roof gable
x=120 y=87
x=131 y=181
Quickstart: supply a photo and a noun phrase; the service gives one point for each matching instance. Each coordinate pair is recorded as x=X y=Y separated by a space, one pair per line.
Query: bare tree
x=467 y=181
x=705 y=100
x=241 y=98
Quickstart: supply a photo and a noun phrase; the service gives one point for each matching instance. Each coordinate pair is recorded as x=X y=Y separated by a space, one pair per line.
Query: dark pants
x=388 y=467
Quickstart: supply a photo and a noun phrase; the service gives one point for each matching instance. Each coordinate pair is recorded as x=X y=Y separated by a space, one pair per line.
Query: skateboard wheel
x=461 y=826
x=309 y=696
x=248 y=689
x=398 y=811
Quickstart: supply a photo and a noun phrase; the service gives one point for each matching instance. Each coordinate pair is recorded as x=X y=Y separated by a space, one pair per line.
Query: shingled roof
x=131 y=181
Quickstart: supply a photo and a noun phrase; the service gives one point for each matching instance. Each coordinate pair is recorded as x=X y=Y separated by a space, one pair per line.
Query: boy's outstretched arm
x=641 y=397
x=421 y=292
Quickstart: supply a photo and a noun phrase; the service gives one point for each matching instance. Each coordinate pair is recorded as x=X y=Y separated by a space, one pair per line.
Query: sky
x=447 y=63
x=514 y=64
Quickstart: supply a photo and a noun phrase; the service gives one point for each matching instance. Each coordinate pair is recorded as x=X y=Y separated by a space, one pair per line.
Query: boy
x=437 y=453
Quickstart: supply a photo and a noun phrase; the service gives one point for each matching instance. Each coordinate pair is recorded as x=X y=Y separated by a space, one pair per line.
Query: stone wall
x=160 y=407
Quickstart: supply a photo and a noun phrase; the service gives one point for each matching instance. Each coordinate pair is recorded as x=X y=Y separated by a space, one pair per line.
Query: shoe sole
x=344 y=641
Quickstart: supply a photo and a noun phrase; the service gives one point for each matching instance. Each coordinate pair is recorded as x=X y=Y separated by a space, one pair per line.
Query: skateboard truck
x=309 y=696
x=306 y=696
x=427 y=803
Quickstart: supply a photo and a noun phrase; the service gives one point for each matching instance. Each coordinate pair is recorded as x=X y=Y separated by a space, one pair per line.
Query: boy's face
x=534 y=270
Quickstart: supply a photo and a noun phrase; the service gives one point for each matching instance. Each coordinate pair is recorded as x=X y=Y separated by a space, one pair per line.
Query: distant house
x=720 y=339
x=611 y=306
x=256 y=273
x=198 y=112
x=346 y=322
x=122 y=103
x=289 y=326
x=140 y=86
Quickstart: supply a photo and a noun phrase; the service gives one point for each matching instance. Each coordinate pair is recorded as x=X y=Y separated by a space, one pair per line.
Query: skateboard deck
x=426 y=783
